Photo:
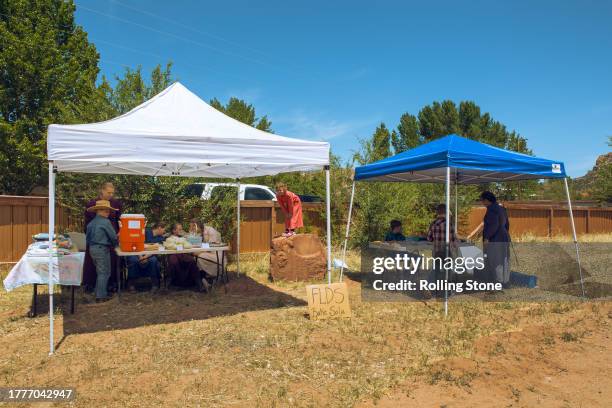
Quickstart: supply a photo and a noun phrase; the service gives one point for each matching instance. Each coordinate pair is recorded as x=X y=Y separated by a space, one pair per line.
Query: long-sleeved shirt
x=100 y=231
x=394 y=236
x=496 y=224
x=437 y=233
x=153 y=239
x=113 y=217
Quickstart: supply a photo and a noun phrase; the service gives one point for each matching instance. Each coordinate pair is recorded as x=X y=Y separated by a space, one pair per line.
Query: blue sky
x=333 y=70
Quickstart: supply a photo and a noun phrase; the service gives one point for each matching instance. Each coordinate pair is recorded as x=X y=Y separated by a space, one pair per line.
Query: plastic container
x=132 y=232
x=194 y=240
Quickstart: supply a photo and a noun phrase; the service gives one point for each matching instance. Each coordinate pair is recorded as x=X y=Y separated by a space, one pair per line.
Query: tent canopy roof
x=177 y=133
x=471 y=162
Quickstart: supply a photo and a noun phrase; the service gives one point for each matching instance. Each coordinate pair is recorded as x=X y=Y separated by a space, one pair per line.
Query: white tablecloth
x=33 y=267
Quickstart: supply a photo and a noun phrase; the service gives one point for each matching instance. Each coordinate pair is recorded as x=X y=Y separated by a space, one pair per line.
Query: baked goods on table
x=174 y=242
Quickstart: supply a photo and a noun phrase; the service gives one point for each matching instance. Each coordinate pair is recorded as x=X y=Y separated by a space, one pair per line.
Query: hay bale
x=300 y=257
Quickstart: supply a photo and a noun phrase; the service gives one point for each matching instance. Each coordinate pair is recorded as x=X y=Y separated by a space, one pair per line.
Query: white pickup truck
x=247 y=191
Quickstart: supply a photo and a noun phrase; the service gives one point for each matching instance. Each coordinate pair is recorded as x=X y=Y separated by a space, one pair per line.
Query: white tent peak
x=178 y=111
x=177 y=133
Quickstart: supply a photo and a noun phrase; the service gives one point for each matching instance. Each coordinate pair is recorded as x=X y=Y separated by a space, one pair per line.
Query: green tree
x=407 y=135
x=439 y=119
x=243 y=112
x=48 y=70
x=442 y=118
x=381 y=143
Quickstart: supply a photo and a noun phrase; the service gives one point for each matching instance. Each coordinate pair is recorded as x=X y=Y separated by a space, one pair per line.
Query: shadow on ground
x=142 y=309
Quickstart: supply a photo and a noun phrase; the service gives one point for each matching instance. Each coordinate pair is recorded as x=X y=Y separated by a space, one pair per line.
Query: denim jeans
x=149 y=268
x=101 y=258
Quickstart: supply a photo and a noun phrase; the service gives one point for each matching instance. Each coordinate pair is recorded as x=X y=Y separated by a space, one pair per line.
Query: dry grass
x=594 y=238
x=252 y=346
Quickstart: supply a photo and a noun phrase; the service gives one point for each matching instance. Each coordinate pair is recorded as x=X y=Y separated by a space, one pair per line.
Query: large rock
x=300 y=257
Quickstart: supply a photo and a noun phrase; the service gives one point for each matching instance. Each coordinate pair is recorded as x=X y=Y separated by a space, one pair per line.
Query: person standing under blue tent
x=496 y=240
x=147 y=266
x=436 y=234
x=395 y=232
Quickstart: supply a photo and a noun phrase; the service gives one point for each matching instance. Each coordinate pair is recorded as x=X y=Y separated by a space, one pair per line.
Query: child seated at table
x=147 y=265
x=209 y=262
x=183 y=268
x=101 y=238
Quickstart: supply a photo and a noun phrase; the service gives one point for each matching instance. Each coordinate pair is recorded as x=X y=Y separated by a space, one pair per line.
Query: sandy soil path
x=533 y=367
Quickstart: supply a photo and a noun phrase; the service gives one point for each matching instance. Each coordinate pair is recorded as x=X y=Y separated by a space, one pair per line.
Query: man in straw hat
x=106 y=191
x=101 y=238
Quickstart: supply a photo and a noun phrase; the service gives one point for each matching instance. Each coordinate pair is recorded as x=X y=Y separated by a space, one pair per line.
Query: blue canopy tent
x=455 y=159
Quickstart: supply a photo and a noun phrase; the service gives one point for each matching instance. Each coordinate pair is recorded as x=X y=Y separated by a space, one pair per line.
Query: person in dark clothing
x=183 y=268
x=101 y=238
x=106 y=192
x=437 y=236
x=147 y=265
x=395 y=232
x=496 y=239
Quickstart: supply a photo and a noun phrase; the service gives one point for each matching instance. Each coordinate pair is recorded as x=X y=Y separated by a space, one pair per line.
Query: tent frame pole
x=328 y=219
x=51 y=254
x=238 y=227
x=348 y=230
x=571 y=214
x=456 y=202
x=447 y=238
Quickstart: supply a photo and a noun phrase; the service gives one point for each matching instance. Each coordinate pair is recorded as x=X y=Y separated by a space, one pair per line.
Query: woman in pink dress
x=291 y=205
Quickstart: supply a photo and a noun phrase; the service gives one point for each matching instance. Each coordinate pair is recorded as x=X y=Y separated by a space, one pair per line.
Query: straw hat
x=101 y=205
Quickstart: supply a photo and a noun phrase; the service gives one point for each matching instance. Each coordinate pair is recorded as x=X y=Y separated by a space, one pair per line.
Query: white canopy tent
x=176 y=133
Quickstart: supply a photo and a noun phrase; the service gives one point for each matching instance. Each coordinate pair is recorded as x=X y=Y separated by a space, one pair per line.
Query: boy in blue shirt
x=395 y=232
x=147 y=265
x=101 y=238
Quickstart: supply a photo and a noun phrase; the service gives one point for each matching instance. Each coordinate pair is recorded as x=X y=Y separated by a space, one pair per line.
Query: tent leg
x=238 y=228
x=50 y=264
x=447 y=238
x=328 y=219
x=456 y=202
x=348 y=229
x=569 y=203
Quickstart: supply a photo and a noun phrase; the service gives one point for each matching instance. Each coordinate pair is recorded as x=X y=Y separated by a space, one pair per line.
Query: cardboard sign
x=328 y=301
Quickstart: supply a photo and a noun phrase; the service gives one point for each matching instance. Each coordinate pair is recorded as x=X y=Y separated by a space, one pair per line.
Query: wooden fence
x=263 y=220
x=22 y=217
x=547 y=220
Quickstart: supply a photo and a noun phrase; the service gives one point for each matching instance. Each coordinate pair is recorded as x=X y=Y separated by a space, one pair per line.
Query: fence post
x=588 y=220
x=272 y=219
x=550 y=222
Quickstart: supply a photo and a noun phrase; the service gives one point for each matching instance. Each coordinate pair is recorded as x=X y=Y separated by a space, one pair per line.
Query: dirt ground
x=534 y=366
x=254 y=346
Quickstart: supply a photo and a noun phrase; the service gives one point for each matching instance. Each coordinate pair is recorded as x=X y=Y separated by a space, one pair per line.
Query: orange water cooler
x=132 y=232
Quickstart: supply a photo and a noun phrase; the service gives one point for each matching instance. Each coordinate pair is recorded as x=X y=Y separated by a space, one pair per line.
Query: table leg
x=219 y=272
x=32 y=312
x=164 y=269
x=224 y=271
x=224 y=266
x=72 y=301
x=118 y=276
